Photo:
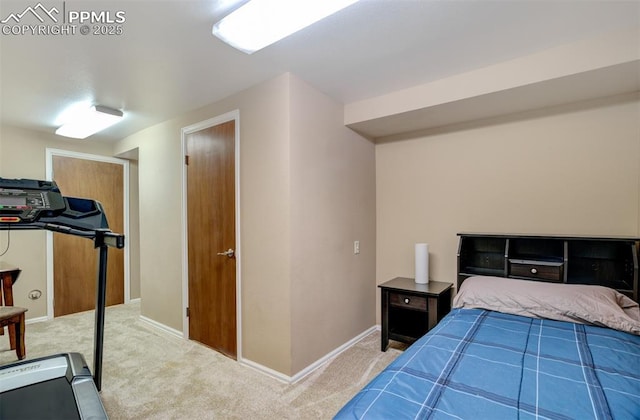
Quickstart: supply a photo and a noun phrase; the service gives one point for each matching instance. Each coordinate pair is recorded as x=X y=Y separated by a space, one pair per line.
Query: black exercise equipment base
x=58 y=386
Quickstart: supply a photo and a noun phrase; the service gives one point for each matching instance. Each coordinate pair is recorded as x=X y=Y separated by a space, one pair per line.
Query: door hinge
x=188 y=312
x=186 y=159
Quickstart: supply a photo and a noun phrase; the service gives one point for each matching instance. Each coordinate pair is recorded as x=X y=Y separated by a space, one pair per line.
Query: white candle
x=422 y=263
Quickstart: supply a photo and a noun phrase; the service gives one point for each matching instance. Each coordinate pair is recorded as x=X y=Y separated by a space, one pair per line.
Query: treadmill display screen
x=12 y=200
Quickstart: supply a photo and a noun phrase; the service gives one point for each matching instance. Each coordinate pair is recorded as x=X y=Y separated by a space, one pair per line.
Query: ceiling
x=166 y=62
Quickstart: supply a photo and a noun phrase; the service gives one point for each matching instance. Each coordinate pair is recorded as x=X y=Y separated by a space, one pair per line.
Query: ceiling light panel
x=259 y=23
x=89 y=121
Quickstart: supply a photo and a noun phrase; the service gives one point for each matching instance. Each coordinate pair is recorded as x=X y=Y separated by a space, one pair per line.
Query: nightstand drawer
x=546 y=270
x=400 y=300
x=410 y=309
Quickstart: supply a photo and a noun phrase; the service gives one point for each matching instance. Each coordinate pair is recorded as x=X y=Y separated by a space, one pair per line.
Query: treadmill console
x=26 y=200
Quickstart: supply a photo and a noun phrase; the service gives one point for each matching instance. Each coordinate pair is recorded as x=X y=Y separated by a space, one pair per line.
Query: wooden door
x=75 y=260
x=211 y=231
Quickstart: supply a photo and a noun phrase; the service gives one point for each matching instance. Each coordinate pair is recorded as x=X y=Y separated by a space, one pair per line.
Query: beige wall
x=568 y=170
x=24 y=156
x=133 y=240
x=159 y=221
x=332 y=205
x=264 y=218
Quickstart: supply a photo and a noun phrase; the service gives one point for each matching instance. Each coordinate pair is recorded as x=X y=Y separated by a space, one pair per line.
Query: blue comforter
x=478 y=364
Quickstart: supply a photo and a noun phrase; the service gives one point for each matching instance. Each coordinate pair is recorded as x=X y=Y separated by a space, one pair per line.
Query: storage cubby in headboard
x=605 y=261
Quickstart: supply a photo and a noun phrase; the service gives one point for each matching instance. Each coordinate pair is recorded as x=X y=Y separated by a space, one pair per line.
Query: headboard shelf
x=599 y=260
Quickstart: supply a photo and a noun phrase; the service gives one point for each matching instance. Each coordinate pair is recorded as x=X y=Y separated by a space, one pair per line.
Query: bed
x=516 y=349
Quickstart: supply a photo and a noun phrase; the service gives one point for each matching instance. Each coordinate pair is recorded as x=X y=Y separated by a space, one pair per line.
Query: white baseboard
x=34 y=320
x=315 y=365
x=162 y=327
x=135 y=300
x=266 y=370
x=312 y=367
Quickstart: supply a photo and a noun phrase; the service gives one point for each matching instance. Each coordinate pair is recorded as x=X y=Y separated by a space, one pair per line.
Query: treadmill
x=61 y=385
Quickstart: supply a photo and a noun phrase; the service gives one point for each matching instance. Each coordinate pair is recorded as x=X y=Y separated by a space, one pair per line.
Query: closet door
x=75 y=260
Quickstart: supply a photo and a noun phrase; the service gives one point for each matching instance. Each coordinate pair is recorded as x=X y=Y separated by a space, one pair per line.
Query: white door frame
x=49 y=242
x=229 y=116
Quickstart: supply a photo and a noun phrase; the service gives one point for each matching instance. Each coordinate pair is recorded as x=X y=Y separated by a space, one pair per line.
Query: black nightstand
x=410 y=309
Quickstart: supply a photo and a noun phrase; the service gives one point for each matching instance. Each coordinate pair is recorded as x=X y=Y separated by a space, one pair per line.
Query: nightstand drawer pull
x=534 y=271
x=401 y=300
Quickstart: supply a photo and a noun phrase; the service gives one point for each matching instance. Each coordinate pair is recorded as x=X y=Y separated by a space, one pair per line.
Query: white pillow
x=583 y=304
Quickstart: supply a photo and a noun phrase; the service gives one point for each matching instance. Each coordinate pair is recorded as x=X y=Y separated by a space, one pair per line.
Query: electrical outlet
x=356 y=247
x=34 y=294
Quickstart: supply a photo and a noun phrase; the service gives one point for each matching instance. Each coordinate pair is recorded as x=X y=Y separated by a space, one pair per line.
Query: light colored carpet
x=149 y=374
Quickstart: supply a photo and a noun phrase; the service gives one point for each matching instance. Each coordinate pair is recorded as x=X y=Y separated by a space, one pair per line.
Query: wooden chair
x=13 y=317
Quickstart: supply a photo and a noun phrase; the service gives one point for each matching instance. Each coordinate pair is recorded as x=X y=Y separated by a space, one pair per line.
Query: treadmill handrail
x=112 y=239
x=102 y=239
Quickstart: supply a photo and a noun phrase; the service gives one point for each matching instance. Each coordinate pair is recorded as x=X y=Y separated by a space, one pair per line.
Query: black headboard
x=604 y=261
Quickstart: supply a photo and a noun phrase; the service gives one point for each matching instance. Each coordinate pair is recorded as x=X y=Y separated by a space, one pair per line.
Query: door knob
x=228 y=253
